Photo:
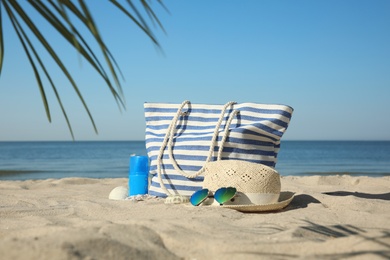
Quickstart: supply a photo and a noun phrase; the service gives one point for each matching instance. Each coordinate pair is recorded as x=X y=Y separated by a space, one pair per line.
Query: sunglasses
x=221 y=195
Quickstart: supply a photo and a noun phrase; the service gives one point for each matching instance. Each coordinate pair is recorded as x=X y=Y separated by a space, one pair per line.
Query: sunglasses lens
x=223 y=195
x=199 y=196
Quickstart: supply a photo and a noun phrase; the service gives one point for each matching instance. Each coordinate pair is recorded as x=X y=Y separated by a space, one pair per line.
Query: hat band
x=254 y=198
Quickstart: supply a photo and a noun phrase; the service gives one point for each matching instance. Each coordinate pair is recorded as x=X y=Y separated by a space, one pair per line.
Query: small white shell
x=177 y=199
x=119 y=193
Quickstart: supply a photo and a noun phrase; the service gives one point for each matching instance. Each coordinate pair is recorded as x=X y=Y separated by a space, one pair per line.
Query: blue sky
x=329 y=60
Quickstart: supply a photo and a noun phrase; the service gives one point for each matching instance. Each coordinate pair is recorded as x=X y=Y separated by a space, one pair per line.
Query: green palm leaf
x=1 y=40
x=58 y=14
x=24 y=39
x=53 y=54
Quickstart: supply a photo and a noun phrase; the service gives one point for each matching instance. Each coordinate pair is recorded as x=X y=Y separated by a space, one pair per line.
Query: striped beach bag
x=181 y=138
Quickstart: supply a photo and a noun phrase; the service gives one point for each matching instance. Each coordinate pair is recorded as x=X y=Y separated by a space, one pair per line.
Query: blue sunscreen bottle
x=138 y=175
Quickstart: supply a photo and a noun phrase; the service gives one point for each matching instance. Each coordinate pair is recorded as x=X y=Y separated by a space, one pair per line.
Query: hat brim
x=285 y=198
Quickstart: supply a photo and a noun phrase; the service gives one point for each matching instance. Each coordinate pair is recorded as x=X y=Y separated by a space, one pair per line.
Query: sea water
x=43 y=160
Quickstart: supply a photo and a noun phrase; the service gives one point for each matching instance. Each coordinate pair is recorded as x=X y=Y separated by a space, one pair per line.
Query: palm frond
x=140 y=22
x=1 y=41
x=72 y=37
x=95 y=32
x=21 y=35
x=57 y=14
x=24 y=39
x=52 y=53
x=152 y=16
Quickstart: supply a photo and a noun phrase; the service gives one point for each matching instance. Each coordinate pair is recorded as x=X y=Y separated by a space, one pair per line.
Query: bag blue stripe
x=170 y=167
x=182 y=157
x=215 y=119
x=157 y=194
x=190 y=110
x=186 y=127
x=248 y=151
x=178 y=134
x=201 y=159
x=181 y=139
x=193 y=168
x=182 y=127
x=251 y=132
x=268 y=163
x=184 y=118
x=160 y=137
x=178 y=148
x=267 y=111
x=198 y=179
x=218 y=111
x=257 y=119
x=176 y=187
x=207 y=138
x=192 y=128
x=269 y=129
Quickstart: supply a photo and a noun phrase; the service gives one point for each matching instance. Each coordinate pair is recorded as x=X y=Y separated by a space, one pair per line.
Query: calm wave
x=42 y=160
x=370 y=158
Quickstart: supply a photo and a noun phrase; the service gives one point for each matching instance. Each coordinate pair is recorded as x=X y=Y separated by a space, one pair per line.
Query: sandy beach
x=332 y=217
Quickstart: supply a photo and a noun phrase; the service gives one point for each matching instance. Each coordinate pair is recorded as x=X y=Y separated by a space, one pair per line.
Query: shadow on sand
x=301 y=201
x=383 y=196
x=321 y=233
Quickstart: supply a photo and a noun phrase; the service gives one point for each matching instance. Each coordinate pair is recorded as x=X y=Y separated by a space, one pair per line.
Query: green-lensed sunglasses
x=221 y=195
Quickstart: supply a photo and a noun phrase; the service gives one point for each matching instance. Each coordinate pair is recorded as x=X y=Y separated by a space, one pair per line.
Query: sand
x=332 y=217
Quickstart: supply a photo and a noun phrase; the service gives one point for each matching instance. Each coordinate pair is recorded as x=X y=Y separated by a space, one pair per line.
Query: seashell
x=119 y=193
x=177 y=199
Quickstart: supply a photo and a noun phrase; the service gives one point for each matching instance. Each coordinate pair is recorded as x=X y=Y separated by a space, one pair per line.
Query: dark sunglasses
x=221 y=195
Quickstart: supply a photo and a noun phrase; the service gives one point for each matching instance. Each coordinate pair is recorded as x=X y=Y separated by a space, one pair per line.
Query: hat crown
x=246 y=177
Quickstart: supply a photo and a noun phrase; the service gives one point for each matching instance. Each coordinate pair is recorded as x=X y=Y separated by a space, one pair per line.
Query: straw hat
x=258 y=186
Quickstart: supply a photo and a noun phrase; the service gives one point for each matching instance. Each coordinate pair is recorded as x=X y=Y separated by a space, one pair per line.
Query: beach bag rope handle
x=168 y=140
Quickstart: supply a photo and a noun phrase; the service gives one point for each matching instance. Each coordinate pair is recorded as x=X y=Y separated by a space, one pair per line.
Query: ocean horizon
x=28 y=160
